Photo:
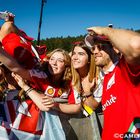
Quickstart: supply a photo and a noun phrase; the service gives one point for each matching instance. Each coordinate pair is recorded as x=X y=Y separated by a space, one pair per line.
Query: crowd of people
x=101 y=72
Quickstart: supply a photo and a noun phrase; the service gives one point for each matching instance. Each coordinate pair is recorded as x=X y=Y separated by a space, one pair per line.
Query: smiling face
x=102 y=54
x=56 y=63
x=79 y=58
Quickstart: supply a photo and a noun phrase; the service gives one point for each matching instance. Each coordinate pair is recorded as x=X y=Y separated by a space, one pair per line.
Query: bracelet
x=83 y=97
x=28 y=90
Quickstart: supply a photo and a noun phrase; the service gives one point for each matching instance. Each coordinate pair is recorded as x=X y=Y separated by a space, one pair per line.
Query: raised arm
x=33 y=94
x=8 y=27
x=43 y=101
x=12 y=65
x=126 y=41
x=69 y=108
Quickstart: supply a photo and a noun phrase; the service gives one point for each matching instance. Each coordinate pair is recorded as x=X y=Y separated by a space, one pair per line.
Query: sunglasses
x=100 y=46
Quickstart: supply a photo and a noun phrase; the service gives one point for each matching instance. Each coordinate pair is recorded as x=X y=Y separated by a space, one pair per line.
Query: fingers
x=93 y=84
x=94 y=81
x=91 y=30
x=95 y=30
x=49 y=106
x=13 y=74
x=46 y=100
x=16 y=77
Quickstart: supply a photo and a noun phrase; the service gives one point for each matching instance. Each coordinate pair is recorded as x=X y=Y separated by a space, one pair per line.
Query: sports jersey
x=20 y=49
x=40 y=83
x=120 y=102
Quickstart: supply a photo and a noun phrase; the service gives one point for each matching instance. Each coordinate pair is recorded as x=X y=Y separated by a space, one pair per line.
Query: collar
x=101 y=75
x=111 y=68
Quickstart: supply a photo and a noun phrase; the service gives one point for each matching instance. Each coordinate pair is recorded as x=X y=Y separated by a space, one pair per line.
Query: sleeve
x=98 y=93
x=132 y=70
x=38 y=79
x=17 y=48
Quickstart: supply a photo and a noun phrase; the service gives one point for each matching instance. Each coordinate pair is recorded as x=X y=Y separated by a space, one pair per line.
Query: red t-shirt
x=40 y=82
x=121 y=102
x=20 y=49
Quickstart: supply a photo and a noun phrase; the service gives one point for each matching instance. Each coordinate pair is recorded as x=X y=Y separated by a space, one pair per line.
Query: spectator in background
x=16 y=42
x=121 y=86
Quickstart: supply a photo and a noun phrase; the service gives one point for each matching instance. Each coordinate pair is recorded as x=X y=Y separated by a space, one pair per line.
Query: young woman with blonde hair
x=55 y=83
x=84 y=72
x=84 y=77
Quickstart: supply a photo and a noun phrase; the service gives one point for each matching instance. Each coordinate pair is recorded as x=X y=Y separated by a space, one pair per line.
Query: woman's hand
x=48 y=101
x=88 y=86
x=19 y=80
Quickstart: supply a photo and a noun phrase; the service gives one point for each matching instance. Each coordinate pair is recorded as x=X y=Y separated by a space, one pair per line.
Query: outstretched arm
x=8 y=27
x=12 y=65
x=34 y=95
x=45 y=102
x=126 y=41
x=69 y=108
x=63 y=107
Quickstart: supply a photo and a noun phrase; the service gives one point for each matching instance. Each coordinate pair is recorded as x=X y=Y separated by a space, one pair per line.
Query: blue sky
x=72 y=17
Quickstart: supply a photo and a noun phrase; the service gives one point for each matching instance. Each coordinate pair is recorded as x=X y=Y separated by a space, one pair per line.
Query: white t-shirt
x=99 y=89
